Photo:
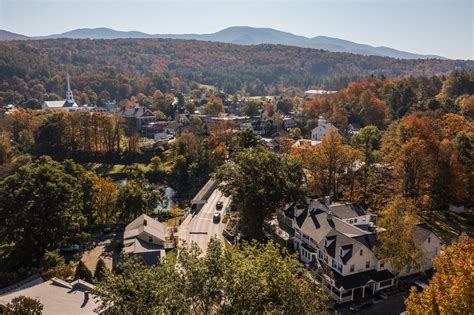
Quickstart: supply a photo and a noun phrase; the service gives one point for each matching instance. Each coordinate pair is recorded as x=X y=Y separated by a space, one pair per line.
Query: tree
x=260 y=182
x=397 y=243
x=132 y=200
x=451 y=288
x=101 y=272
x=155 y=163
x=82 y=272
x=214 y=106
x=23 y=305
x=105 y=200
x=285 y=106
x=251 y=108
x=253 y=278
x=367 y=141
x=411 y=168
x=244 y=139
x=327 y=164
x=38 y=205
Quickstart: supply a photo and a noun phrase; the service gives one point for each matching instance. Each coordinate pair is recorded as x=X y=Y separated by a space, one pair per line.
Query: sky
x=439 y=27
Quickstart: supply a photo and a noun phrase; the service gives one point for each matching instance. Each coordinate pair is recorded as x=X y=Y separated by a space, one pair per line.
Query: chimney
x=327 y=201
x=329 y=215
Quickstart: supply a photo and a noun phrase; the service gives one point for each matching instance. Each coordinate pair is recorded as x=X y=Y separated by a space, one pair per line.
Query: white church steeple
x=69 y=96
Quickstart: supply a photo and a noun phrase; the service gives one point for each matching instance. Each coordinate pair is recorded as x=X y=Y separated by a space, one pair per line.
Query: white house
x=340 y=253
x=311 y=94
x=145 y=237
x=321 y=130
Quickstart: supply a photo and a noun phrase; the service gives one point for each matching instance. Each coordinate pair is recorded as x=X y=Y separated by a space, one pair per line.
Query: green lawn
x=448 y=225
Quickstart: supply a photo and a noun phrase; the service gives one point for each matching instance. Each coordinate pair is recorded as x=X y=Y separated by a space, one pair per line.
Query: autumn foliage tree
x=451 y=289
x=327 y=164
x=398 y=245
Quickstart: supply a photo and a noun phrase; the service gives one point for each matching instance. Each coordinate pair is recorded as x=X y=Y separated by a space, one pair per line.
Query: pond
x=169 y=193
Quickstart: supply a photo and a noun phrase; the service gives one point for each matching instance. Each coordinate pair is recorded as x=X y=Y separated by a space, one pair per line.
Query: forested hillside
x=124 y=67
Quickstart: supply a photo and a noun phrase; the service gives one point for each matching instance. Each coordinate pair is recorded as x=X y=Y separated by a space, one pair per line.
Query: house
x=312 y=94
x=137 y=117
x=321 y=130
x=340 y=253
x=289 y=122
x=353 y=128
x=353 y=213
x=145 y=237
x=173 y=128
x=305 y=143
x=57 y=296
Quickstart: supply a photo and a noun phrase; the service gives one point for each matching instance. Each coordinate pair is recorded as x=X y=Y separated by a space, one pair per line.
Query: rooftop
x=59 y=297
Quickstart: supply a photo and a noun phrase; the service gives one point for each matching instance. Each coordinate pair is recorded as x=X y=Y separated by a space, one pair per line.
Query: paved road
x=200 y=228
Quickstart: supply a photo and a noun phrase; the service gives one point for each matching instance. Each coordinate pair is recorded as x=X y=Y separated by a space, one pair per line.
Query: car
x=420 y=286
x=360 y=307
x=71 y=248
x=219 y=205
x=107 y=228
x=217 y=217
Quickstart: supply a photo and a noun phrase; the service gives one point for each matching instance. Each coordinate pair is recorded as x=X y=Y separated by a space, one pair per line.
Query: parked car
x=107 y=228
x=420 y=286
x=362 y=306
x=219 y=205
x=217 y=217
x=71 y=248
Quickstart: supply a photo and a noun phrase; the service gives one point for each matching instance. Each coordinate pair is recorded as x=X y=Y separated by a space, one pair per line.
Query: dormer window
x=341 y=252
x=429 y=239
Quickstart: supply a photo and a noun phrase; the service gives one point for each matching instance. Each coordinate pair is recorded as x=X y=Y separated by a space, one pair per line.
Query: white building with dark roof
x=340 y=250
x=322 y=130
x=69 y=104
x=145 y=237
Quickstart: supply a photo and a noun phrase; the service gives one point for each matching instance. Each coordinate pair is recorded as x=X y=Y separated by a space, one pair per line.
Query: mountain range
x=242 y=35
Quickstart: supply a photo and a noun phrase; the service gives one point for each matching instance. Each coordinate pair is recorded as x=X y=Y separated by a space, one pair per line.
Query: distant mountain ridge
x=242 y=35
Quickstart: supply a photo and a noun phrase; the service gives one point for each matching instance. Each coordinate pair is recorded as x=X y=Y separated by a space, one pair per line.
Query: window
x=385 y=283
x=321 y=255
x=355 y=220
x=382 y=264
x=150 y=239
x=367 y=264
x=361 y=252
x=341 y=252
x=352 y=268
x=429 y=239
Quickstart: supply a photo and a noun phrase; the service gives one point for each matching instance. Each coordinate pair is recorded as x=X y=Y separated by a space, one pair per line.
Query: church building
x=68 y=104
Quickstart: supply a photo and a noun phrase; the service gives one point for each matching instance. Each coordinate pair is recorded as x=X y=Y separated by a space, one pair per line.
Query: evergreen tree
x=82 y=272
x=101 y=271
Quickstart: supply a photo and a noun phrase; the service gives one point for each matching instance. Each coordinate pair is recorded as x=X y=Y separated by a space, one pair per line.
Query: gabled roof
x=136 y=112
x=345 y=210
x=59 y=104
x=421 y=232
x=146 y=224
x=319 y=225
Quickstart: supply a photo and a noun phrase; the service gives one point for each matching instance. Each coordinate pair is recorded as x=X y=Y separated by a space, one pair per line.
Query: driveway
x=200 y=228
x=102 y=249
